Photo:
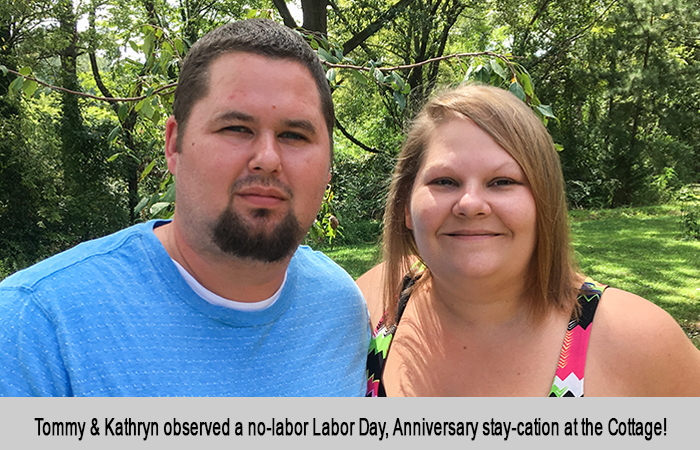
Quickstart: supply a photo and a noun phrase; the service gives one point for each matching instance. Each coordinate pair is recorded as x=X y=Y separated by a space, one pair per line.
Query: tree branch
x=281 y=6
x=566 y=42
x=504 y=58
x=98 y=78
x=95 y=97
x=354 y=140
x=375 y=26
x=160 y=90
x=345 y=21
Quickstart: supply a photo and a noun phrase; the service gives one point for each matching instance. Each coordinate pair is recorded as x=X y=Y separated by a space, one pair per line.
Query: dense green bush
x=689 y=196
x=360 y=185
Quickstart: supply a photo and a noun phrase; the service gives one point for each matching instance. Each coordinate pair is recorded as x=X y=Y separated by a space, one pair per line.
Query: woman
x=478 y=294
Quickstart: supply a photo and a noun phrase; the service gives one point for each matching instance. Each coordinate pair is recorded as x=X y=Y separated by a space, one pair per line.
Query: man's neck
x=236 y=279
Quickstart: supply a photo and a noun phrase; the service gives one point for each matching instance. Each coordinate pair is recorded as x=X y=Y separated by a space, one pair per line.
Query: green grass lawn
x=356 y=259
x=640 y=250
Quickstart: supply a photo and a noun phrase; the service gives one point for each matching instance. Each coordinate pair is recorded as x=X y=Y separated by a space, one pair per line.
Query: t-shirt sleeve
x=30 y=354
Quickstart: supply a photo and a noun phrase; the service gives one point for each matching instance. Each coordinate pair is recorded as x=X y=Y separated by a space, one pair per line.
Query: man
x=220 y=301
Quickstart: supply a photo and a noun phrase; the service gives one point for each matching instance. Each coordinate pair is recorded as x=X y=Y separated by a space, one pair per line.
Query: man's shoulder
x=76 y=260
x=314 y=267
x=317 y=262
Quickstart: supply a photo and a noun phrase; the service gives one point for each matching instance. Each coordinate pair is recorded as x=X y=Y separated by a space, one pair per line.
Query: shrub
x=689 y=197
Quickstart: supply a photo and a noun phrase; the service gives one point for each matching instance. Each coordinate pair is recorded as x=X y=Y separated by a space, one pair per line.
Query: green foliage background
x=622 y=78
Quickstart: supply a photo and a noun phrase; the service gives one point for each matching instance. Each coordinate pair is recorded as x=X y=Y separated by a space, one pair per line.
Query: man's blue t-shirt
x=114 y=317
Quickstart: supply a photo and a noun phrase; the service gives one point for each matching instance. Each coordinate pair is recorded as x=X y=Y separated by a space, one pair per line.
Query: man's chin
x=257 y=238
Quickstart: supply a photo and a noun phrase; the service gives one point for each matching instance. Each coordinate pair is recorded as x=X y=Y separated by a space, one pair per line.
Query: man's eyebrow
x=303 y=124
x=234 y=115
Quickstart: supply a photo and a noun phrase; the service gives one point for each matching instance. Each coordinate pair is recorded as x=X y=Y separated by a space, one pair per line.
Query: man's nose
x=266 y=155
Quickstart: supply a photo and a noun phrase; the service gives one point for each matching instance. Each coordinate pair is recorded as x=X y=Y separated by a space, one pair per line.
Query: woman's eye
x=503 y=182
x=444 y=182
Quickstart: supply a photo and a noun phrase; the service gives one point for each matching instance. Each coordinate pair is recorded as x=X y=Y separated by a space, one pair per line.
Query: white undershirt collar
x=218 y=300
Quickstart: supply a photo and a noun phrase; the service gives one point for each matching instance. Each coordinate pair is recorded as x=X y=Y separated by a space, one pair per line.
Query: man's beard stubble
x=233 y=235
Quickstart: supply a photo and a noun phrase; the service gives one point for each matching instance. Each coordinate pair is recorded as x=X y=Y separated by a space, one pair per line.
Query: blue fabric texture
x=113 y=317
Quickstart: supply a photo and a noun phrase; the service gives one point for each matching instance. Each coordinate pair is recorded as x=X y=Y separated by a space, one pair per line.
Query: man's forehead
x=243 y=54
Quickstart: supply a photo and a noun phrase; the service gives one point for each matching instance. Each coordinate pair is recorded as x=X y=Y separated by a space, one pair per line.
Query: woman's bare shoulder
x=371 y=283
x=638 y=349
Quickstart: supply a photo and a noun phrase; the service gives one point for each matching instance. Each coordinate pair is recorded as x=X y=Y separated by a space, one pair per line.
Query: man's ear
x=171 y=153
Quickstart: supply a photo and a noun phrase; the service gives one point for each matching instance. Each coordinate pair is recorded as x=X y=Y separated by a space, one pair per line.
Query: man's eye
x=237 y=129
x=293 y=136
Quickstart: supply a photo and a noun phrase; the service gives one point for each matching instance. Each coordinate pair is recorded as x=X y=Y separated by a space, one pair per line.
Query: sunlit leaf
x=179 y=46
x=359 y=76
x=546 y=111
x=148 y=44
x=158 y=207
x=147 y=109
x=147 y=170
x=29 y=87
x=525 y=81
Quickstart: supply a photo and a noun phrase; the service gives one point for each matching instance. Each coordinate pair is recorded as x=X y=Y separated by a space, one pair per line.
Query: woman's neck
x=483 y=303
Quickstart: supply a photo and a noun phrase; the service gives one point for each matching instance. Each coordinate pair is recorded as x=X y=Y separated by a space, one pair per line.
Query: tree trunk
x=315 y=16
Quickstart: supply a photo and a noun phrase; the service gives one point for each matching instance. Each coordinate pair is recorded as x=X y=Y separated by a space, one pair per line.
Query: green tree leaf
x=359 y=76
x=122 y=111
x=400 y=100
x=326 y=56
x=517 y=89
x=330 y=75
x=496 y=67
x=147 y=170
x=546 y=111
x=16 y=85
x=29 y=87
x=114 y=133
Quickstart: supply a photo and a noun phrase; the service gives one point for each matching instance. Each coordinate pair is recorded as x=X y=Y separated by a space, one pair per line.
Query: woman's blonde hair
x=516 y=128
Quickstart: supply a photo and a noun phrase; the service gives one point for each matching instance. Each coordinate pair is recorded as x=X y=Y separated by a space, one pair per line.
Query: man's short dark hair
x=258 y=36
